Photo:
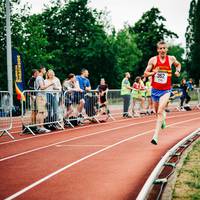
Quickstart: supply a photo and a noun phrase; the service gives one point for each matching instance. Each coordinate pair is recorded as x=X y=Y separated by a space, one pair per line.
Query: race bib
x=160 y=77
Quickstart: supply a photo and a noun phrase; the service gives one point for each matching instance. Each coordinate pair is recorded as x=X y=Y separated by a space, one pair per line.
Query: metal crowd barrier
x=82 y=106
x=41 y=109
x=194 y=102
x=196 y=97
x=115 y=102
x=5 y=113
x=74 y=108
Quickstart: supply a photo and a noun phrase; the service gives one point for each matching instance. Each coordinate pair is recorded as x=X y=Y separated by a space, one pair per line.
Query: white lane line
x=66 y=130
x=75 y=138
x=91 y=125
x=81 y=145
x=85 y=158
x=72 y=139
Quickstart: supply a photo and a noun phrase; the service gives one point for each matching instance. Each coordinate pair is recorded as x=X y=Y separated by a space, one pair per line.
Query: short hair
x=83 y=70
x=137 y=79
x=33 y=71
x=160 y=43
x=126 y=74
x=71 y=75
x=41 y=67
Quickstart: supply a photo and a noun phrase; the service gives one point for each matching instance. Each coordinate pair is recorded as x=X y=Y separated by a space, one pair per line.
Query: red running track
x=102 y=161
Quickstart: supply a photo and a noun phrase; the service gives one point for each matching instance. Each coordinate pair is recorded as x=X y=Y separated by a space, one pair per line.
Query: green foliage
x=193 y=40
x=127 y=53
x=178 y=52
x=71 y=36
x=149 y=30
x=3 y=74
x=195 y=66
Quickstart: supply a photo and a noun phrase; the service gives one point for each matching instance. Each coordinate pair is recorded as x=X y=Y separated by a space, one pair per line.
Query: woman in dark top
x=103 y=89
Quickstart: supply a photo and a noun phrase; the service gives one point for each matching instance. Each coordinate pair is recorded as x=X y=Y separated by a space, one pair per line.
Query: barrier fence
x=42 y=111
x=5 y=114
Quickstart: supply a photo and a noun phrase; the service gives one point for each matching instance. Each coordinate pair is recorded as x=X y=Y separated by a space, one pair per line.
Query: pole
x=9 y=52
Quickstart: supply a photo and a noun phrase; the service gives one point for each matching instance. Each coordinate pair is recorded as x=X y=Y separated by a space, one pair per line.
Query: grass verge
x=187 y=186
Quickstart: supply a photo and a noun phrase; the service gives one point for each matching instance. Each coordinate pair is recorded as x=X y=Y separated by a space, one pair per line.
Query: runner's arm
x=149 y=71
x=177 y=65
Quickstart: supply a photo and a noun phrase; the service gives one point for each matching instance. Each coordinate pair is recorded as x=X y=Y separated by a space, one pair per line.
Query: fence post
x=5 y=114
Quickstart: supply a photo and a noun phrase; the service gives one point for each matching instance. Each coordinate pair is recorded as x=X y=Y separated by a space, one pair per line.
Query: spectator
x=185 y=96
x=85 y=86
x=52 y=98
x=148 y=96
x=41 y=99
x=31 y=84
x=190 y=84
x=136 y=94
x=143 y=94
x=103 y=89
x=31 y=81
x=125 y=92
x=70 y=86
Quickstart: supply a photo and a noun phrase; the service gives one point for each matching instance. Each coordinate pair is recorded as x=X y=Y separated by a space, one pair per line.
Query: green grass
x=187 y=185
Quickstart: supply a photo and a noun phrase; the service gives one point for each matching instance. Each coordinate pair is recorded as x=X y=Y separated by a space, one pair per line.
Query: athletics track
x=107 y=161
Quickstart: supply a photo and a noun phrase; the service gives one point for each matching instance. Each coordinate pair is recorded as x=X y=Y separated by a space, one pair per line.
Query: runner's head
x=162 y=48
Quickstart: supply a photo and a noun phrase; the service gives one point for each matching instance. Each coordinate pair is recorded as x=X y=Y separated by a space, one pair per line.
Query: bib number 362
x=161 y=77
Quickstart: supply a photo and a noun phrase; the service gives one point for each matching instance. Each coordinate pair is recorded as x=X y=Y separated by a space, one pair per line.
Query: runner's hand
x=177 y=74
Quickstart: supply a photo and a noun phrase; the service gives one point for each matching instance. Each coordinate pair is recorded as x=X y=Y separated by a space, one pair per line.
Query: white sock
x=157 y=129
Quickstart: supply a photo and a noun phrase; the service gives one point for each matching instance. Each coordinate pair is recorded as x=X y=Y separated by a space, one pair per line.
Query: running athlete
x=160 y=68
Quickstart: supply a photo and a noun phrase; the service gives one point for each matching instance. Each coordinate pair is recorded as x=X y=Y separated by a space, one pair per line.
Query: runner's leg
x=159 y=111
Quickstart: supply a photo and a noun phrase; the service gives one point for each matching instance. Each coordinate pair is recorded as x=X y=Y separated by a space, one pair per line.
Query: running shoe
x=163 y=124
x=154 y=141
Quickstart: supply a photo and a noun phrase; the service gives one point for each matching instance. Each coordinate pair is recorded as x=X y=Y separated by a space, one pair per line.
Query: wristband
x=153 y=73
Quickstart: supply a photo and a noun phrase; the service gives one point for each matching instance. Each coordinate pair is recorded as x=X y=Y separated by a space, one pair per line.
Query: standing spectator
x=85 y=86
x=103 y=89
x=185 y=96
x=41 y=99
x=143 y=94
x=125 y=92
x=52 y=98
x=30 y=85
x=31 y=81
x=136 y=94
x=148 y=96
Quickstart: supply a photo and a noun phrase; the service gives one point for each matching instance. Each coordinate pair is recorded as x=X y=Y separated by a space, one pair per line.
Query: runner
x=159 y=67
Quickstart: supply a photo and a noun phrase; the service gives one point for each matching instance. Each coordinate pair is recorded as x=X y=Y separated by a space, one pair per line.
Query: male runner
x=159 y=67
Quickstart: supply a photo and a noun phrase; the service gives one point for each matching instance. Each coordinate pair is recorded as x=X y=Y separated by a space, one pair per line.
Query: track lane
x=47 y=140
x=63 y=151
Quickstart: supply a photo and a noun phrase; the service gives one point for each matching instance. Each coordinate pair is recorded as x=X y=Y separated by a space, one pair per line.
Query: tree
x=149 y=30
x=3 y=63
x=127 y=53
x=193 y=40
x=78 y=40
x=195 y=52
x=178 y=52
x=34 y=45
x=189 y=35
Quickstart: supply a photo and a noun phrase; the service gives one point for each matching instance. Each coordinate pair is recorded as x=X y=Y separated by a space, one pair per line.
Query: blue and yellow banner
x=19 y=74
